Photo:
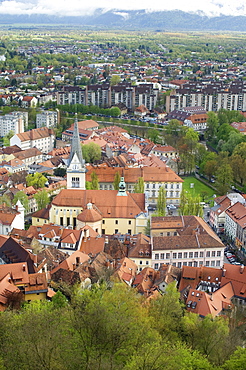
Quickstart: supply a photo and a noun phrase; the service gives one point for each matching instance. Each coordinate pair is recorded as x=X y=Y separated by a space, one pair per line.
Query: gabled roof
x=43 y=213
x=12 y=252
x=126 y=270
x=237 y=276
x=72 y=261
x=28 y=153
x=92 y=246
x=6 y=287
x=192 y=276
x=107 y=202
x=18 y=272
x=237 y=212
x=213 y=304
x=36 y=134
x=37 y=283
x=132 y=174
x=89 y=215
x=50 y=231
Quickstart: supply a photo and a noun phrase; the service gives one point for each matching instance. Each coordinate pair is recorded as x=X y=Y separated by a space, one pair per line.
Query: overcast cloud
x=78 y=7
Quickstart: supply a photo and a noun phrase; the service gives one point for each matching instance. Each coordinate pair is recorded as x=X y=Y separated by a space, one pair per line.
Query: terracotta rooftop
x=204 y=304
x=36 y=134
x=107 y=201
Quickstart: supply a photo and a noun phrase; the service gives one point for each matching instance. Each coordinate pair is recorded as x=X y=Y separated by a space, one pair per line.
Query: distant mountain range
x=174 y=20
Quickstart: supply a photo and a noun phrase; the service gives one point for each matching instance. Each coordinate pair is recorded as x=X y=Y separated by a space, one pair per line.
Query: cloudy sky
x=79 y=7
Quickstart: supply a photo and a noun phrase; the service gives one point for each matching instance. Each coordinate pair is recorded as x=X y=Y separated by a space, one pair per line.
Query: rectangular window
x=179 y=255
x=190 y=254
x=174 y=255
x=116 y=231
x=167 y=256
x=217 y=263
x=162 y=256
x=185 y=254
x=61 y=221
x=190 y=264
x=68 y=221
x=103 y=221
x=184 y=263
x=168 y=233
x=196 y=254
x=129 y=222
x=129 y=231
x=156 y=266
x=208 y=254
x=179 y=264
x=207 y=263
x=218 y=253
x=116 y=222
x=140 y=262
x=212 y=263
x=195 y=263
x=174 y=264
x=201 y=254
x=157 y=256
x=213 y=253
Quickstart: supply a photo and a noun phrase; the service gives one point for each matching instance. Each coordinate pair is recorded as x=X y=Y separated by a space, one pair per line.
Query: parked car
x=171 y=206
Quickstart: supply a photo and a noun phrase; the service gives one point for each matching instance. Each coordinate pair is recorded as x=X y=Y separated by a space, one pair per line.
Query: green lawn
x=199 y=188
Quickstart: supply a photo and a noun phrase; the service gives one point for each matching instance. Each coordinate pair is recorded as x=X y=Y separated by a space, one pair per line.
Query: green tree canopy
x=161 y=202
x=23 y=198
x=42 y=198
x=116 y=180
x=224 y=175
x=91 y=152
x=5 y=199
x=6 y=138
x=37 y=180
x=190 y=204
x=139 y=186
x=94 y=181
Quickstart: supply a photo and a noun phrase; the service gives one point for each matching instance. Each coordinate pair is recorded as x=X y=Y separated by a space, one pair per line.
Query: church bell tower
x=76 y=164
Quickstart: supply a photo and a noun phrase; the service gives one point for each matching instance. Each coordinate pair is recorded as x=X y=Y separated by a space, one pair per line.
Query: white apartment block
x=184 y=241
x=15 y=121
x=42 y=138
x=209 y=257
x=47 y=119
x=211 y=96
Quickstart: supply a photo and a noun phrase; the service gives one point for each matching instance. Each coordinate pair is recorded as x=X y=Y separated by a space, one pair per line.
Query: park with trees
x=111 y=327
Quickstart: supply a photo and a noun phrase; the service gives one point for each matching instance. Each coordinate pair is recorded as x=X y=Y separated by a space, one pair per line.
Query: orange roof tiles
x=204 y=304
x=131 y=175
x=92 y=246
x=35 y=134
x=107 y=201
x=17 y=271
x=89 y=215
x=237 y=276
x=71 y=262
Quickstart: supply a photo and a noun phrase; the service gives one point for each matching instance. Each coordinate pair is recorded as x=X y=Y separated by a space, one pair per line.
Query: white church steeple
x=76 y=164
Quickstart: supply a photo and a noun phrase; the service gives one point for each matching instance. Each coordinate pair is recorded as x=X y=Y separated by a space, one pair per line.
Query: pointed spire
x=76 y=145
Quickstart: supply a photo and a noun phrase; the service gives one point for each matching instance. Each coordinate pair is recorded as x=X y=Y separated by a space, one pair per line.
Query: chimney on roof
x=211 y=297
x=24 y=267
x=241 y=269
x=223 y=272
